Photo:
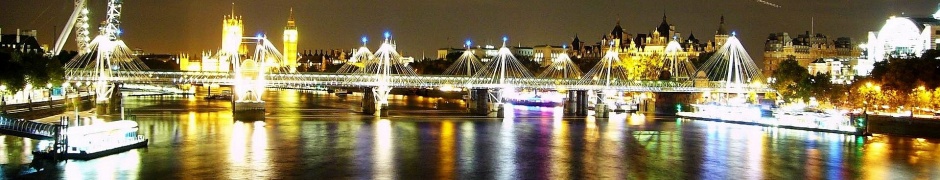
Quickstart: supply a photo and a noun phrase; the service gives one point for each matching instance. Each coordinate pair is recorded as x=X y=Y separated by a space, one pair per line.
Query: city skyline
x=192 y=27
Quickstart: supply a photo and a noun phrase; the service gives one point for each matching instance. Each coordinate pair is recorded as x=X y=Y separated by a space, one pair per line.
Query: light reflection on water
x=322 y=136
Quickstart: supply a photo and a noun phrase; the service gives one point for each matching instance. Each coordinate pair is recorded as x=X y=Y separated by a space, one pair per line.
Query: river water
x=315 y=135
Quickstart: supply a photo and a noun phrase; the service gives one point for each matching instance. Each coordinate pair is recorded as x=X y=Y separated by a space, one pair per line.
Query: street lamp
x=65 y=87
x=29 y=95
x=3 y=99
x=49 y=88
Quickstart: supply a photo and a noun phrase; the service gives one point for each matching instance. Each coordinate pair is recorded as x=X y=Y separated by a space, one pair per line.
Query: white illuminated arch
x=899 y=36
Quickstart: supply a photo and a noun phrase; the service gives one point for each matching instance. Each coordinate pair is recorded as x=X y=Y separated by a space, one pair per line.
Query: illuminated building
x=839 y=70
x=290 y=43
x=645 y=54
x=232 y=33
x=900 y=37
x=648 y=46
x=207 y=63
x=809 y=49
x=442 y=52
x=487 y=52
x=546 y=53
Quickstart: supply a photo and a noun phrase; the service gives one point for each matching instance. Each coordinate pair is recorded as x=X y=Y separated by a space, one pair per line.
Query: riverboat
x=96 y=140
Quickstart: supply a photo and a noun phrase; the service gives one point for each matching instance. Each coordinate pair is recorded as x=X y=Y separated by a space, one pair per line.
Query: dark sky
x=426 y=25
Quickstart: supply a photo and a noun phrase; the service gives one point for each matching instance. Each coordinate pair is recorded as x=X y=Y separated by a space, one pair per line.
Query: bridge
x=106 y=62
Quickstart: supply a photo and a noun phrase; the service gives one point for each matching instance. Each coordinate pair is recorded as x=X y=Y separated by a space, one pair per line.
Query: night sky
x=426 y=25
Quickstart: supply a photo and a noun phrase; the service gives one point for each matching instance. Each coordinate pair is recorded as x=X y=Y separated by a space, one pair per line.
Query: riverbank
x=39 y=110
x=904 y=126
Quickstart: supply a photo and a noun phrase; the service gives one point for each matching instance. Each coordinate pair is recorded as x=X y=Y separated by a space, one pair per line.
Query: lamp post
x=3 y=99
x=65 y=97
x=49 y=91
x=29 y=96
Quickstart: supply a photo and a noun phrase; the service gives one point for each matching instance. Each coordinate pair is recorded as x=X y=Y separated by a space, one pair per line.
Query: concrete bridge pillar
x=600 y=108
x=497 y=110
x=667 y=103
x=112 y=104
x=370 y=106
x=570 y=103
x=368 y=101
x=480 y=101
x=581 y=103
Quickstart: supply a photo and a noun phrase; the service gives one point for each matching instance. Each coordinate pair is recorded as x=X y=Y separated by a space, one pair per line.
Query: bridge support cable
x=503 y=74
x=677 y=63
x=732 y=66
x=384 y=71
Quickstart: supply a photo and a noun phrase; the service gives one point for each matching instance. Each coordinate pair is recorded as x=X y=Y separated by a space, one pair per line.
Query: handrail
x=27 y=127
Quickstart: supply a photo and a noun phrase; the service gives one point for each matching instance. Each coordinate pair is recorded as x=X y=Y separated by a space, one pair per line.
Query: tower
x=290 y=43
x=721 y=35
x=232 y=33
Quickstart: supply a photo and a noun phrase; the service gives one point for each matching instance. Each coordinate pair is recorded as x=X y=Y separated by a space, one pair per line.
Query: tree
x=12 y=74
x=790 y=80
x=935 y=99
x=36 y=72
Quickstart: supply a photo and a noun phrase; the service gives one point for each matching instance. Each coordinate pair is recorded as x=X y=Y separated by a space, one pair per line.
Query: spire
x=721 y=27
x=663 y=28
x=233 y=9
x=290 y=20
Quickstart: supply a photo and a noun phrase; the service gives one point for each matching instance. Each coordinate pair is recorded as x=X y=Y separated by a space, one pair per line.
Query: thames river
x=315 y=135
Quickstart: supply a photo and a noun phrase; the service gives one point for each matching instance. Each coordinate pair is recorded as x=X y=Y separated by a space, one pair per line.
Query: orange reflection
x=446 y=163
x=561 y=154
x=591 y=136
x=876 y=157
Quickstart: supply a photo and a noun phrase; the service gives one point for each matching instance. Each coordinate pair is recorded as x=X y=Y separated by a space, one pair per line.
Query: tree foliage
x=18 y=69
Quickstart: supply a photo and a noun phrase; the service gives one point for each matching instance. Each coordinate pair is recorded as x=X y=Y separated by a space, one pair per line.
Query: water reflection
x=324 y=137
x=383 y=161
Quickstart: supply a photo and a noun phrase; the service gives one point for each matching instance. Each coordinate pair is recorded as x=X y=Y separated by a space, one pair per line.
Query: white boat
x=97 y=140
x=813 y=120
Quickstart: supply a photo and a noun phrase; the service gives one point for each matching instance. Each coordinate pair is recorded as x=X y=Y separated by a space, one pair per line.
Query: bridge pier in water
x=481 y=104
x=370 y=106
x=110 y=104
x=577 y=103
x=667 y=103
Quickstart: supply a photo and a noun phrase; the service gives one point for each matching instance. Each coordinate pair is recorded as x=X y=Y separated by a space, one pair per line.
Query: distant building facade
x=817 y=52
x=544 y=54
x=487 y=52
x=645 y=53
x=23 y=41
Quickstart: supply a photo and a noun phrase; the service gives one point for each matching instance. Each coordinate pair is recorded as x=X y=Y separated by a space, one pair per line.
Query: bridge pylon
x=598 y=82
x=386 y=70
x=251 y=75
x=500 y=76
